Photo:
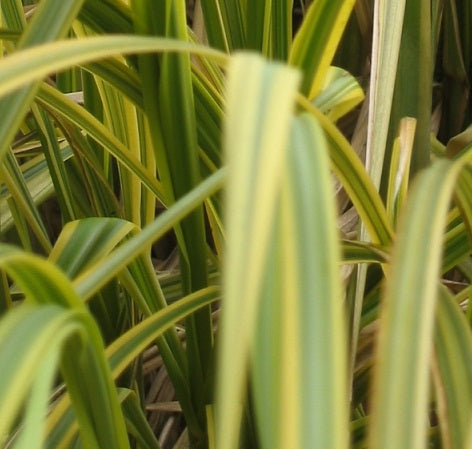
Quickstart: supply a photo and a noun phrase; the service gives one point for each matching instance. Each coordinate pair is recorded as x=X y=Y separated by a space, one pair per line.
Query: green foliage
x=213 y=235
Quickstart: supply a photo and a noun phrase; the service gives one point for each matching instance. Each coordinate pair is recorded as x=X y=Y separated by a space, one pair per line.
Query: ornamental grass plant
x=235 y=224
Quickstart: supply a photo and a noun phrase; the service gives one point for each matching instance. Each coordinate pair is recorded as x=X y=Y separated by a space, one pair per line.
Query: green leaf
x=299 y=361
x=355 y=252
x=107 y=17
x=33 y=64
x=66 y=108
x=99 y=274
x=340 y=94
x=316 y=42
x=313 y=287
x=120 y=76
x=258 y=20
x=29 y=334
x=180 y=147
x=126 y=348
x=452 y=371
x=51 y=21
x=260 y=99
x=388 y=23
x=44 y=331
x=400 y=167
x=413 y=82
x=407 y=315
x=455 y=62
x=136 y=421
x=215 y=25
x=70 y=326
x=85 y=242
x=13 y=179
x=36 y=411
x=281 y=29
x=354 y=178
x=56 y=165
x=232 y=22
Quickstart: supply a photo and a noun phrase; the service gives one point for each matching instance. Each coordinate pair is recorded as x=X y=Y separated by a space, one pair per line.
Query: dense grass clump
x=235 y=224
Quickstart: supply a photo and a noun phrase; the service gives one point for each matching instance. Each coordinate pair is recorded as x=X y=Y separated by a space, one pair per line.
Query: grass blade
x=404 y=346
x=85 y=242
x=340 y=94
x=136 y=421
x=127 y=347
x=256 y=135
x=316 y=42
x=87 y=377
x=51 y=21
x=13 y=179
x=281 y=29
x=388 y=23
x=413 y=82
x=300 y=359
x=354 y=178
x=180 y=148
x=98 y=275
x=314 y=278
x=67 y=109
x=452 y=371
x=33 y=64
x=36 y=411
